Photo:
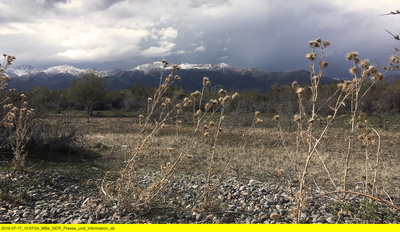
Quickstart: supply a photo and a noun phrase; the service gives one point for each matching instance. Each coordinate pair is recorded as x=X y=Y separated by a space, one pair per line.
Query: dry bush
x=14 y=120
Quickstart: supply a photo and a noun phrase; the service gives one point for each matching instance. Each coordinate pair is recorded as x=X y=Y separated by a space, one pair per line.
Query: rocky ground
x=49 y=197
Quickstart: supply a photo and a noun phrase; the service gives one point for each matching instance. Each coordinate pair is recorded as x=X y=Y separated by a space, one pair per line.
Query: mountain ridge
x=222 y=75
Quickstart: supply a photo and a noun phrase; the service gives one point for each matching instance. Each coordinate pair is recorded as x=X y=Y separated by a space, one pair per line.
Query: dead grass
x=259 y=154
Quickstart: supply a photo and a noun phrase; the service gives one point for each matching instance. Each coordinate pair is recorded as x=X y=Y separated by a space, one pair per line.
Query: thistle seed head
x=222 y=92
x=195 y=94
x=300 y=91
x=178 y=78
x=394 y=59
x=351 y=55
x=311 y=56
x=297 y=118
x=365 y=64
x=326 y=43
x=206 y=81
x=235 y=96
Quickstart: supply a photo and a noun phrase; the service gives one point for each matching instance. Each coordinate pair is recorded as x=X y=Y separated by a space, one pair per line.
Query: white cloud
x=200 y=49
x=224 y=58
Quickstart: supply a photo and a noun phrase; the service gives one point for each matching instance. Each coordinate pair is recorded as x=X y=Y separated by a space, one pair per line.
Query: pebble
x=245 y=202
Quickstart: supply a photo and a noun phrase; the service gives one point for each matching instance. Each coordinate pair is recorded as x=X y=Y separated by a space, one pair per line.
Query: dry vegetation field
x=250 y=153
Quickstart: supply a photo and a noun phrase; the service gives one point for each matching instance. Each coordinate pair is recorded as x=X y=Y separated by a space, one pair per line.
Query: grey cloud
x=268 y=35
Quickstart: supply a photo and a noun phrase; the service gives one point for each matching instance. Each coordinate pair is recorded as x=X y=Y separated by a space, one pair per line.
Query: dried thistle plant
x=348 y=91
x=15 y=120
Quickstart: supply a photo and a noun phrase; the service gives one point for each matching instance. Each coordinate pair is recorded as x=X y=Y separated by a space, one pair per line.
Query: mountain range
x=222 y=75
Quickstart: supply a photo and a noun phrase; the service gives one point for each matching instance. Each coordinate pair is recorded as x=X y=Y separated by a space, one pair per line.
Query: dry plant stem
x=378 y=152
x=360 y=194
x=209 y=189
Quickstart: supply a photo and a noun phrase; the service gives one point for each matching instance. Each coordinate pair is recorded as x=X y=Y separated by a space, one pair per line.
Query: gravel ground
x=45 y=197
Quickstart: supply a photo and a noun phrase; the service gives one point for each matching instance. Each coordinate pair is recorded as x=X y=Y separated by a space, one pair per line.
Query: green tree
x=88 y=89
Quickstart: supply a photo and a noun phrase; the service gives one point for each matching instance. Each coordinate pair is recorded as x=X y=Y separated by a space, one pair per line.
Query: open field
x=259 y=153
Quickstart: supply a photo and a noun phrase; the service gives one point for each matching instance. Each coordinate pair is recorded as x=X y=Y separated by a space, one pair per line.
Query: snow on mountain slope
x=63 y=69
x=22 y=70
x=185 y=66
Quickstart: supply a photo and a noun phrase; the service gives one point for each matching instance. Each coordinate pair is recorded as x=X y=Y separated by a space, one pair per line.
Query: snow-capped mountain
x=158 y=65
x=21 y=70
x=64 y=69
x=222 y=75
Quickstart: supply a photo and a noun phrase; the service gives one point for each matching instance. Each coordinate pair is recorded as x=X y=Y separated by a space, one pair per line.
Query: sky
x=269 y=35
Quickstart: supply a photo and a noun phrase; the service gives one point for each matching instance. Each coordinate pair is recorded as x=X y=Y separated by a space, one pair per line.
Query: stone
x=264 y=217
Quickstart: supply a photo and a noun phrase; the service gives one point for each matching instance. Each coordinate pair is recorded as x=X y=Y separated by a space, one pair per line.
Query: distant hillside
x=221 y=75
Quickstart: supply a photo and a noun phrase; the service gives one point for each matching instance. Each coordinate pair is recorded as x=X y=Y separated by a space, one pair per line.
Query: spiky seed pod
x=295 y=84
x=149 y=99
x=211 y=124
x=324 y=64
x=167 y=101
x=197 y=114
x=175 y=67
x=360 y=125
x=225 y=100
x=362 y=115
x=297 y=118
x=206 y=81
x=379 y=76
x=373 y=70
x=187 y=102
x=206 y=134
x=169 y=149
x=257 y=114
x=326 y=43
x=222 y=92
x=259 y=121
x=208 y=106
x=195 y=94
x=235 y=96
x=351 y=55
x=178 y=78
x=276 y=118
x=353 y=70
x=280 y=172
x=214 y=102
x=311 y=56
x=300 y=91
x=223 y=117
x=394 y=59
x=364 y=64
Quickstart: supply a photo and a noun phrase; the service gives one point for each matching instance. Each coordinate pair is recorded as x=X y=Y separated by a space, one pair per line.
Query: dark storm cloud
x=268 y=35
